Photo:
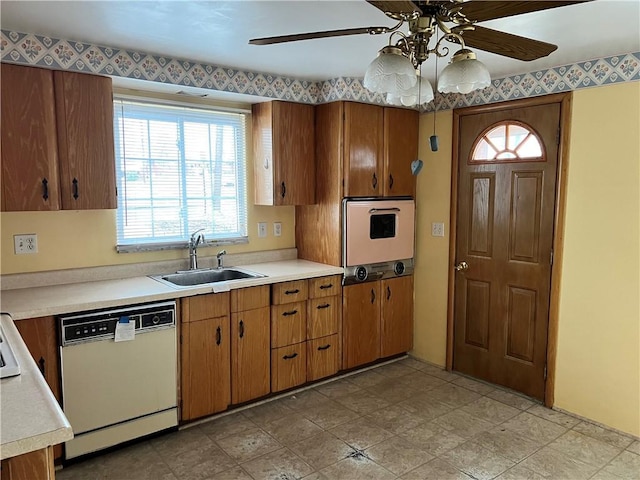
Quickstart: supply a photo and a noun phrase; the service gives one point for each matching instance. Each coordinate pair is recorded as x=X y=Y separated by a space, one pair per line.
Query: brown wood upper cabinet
x=379 y=145
x=283 y=153
x=57 y=140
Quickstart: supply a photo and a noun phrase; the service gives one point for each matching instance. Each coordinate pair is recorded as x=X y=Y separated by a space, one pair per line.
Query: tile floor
x=406 y=420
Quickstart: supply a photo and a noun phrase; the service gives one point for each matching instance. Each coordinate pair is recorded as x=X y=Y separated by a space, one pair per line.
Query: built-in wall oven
x=115 y=391
x=378 y=238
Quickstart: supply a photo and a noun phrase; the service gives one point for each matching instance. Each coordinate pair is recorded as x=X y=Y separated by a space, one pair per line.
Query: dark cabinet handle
x=388 y=292
x=292 y=292
x=41 y=365
x=75 y=188
x=390 y=181
x=292 y=312
x=218 y=336
x=289 y=357
x=283 y=190
x=322 y=287
x=241 y=329
x=45 y=189
x=326 y=305
x=374 y=181
x=325 y=347
x=373 y=296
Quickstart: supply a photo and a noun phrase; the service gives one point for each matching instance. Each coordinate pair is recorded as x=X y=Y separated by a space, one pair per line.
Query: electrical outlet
x=437 y=229
x=27 y=243
x=262 y=229
x=277 y=229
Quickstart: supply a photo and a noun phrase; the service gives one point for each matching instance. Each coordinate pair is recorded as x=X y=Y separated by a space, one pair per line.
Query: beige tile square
x=268 y=412
x=474 y=385
x=322 y=450
x=433 y=438
x=553 y=416
x=366 y=379
x=477 y=461
x=395 y=419
x=625 y=465
x=462 y=424
x=330 y=414
x=227 y=425
x=420 y=381
x=248 y=444
x=361 y=433
x=604 y=435
x=357 y=468
x=362 y=402
x=436 y=469
x=552 y=463
x=634 y=447
x=508 y=444
x=392 y=394
x=453 y=395
x=398 y=455
x=584 y=448
x=292 y=429
x=277 y=465
x=337 y=389
x=201 y=463
x=490 y=410
x=425 y=407
x=513 y=400
x=535 y=428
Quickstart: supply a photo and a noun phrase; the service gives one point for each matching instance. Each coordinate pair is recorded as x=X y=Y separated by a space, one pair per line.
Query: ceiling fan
x=393 y=72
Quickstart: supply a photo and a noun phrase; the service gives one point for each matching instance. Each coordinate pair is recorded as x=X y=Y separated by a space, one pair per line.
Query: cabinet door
x=400 y=149
x=206 y=367
x=84 y=107
x=361 y=324
x=41 y=338
x=288 y=366
x=288 y=324
x=322 y=316
x=363 y=162
x=322 y=357
x=396 y=334
x=284 y=153
x=289 y=292
x=250 y=355
x=29 y=141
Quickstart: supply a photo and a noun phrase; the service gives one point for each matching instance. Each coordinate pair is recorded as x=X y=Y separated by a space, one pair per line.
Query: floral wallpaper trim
x=59 y=54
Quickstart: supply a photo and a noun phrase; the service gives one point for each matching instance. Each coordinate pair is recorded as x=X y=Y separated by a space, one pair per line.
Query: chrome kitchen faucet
x=219 y=257
x=196 y=239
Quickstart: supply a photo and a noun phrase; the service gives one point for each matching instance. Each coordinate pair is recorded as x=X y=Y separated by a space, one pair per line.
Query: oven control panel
x=101 y=325
x=377 y=271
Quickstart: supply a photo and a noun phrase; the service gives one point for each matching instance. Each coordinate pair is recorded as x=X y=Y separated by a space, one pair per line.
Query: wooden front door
x=505 y=216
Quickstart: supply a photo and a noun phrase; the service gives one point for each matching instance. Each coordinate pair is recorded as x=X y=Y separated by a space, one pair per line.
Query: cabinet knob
x=218 y=336
x=241 y=329
x=283 y=188
x=374 y=181
x=323 y=287
x=388 y=292
x=41 y=365
x=45 y=189
x=292 y=292
x=289 y=357
x=292 y=312
x=373 y=295
x=328 y=345
x=325 y=305
x=390 y=181
x=75 y=188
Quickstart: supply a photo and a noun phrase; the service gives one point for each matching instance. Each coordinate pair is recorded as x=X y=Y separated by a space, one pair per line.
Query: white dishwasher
x=115 y=391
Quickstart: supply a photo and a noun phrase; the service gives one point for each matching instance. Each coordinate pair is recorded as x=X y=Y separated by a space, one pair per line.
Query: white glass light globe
x=464 y=74
x=390 y=72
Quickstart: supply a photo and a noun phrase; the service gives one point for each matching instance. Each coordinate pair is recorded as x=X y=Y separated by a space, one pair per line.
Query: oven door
x=378 y=231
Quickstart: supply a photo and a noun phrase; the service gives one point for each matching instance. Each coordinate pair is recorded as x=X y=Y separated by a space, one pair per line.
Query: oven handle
x=376 y=210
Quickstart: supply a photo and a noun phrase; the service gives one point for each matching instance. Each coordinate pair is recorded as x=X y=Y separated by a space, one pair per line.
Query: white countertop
x=77 y=297
x=30 y=417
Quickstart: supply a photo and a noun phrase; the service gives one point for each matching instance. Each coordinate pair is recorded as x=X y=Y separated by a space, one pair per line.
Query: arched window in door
x=508 y=141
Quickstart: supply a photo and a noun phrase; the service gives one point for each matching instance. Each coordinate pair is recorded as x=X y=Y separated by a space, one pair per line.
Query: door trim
x=565 y=101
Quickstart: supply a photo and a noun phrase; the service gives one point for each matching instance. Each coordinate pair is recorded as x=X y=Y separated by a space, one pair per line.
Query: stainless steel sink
x=190 y=278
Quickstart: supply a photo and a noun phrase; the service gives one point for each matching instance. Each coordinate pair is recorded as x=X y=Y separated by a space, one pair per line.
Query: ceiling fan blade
x=394 y=6
x=308 y=36
x=506 y=44
x=481 y=10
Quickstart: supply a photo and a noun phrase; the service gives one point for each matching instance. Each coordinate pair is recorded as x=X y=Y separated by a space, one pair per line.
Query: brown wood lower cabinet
x=29 y=466
x=322 y=357
x=396 y=327
x=288 y=366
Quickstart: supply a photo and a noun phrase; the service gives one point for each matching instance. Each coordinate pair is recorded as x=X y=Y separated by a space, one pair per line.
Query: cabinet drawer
x=288 y=324
x=288 y=366
x=325 y=286
x=322 y=357
x=322 y=316
x=289 y=292
x=243 y=299
x=202 y=307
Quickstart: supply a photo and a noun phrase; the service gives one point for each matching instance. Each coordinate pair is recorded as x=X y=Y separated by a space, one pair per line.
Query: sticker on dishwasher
x=125 y=330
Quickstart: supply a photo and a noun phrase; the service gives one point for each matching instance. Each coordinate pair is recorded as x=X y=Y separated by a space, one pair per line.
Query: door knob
x=461 y=266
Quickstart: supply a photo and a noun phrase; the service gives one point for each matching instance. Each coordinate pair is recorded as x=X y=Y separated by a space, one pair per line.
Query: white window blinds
x=178 y=169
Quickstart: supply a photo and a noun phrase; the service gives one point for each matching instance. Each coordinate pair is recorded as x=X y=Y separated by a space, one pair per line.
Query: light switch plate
x=277 y=229
x=26 y=243
x=262 y=229
x=437 y=229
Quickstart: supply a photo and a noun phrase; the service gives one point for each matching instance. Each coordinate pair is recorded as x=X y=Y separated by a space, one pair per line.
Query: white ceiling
x=217 y=32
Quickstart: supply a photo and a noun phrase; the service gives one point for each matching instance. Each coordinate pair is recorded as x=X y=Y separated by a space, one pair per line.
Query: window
x=508 y=141
x=178 y=169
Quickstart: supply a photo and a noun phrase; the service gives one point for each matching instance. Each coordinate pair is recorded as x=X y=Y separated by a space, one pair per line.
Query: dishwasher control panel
x=101 y=325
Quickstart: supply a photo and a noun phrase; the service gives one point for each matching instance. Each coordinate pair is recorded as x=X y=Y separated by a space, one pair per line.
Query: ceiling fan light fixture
x=409 y=97
x=390 y=72
x=464 y=74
